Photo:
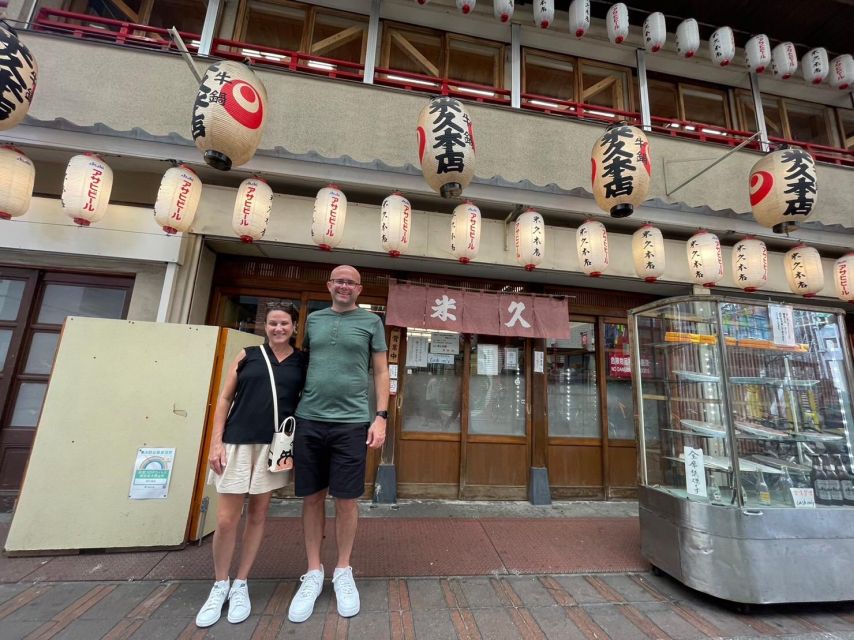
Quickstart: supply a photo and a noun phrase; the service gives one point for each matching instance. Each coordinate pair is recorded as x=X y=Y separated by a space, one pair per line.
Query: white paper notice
x=487 y=359
x=445 y=343
x=392 y=372
x=782 y=324
x=539 y=362
x=511 y=358
x=416 y=351
x=438 y=358
x=151 y=474
x=695 y=472
x=392 y=387
x=804 y=497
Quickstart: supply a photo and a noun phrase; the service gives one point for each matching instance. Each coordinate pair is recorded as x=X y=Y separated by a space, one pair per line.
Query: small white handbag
x=280 y=456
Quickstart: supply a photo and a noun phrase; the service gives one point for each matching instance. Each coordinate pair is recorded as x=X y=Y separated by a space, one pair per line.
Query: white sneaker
x=212 y=608
x=302 y=605
x=239 y=605
x=345 y=592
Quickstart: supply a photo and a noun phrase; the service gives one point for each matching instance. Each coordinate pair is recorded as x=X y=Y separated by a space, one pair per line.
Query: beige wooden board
x=116 y=386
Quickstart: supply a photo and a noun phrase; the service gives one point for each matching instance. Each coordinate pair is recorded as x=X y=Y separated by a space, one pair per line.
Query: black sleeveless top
x=250 y=420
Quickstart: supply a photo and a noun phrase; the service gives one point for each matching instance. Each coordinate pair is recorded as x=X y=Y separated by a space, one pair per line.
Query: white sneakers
x=302 y=606
x=239 y=605
x=345 y=592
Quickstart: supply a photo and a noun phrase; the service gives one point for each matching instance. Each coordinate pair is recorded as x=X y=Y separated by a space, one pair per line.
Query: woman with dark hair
x=242 y=431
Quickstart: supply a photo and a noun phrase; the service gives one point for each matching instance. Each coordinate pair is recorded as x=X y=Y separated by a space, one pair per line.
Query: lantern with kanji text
x=814 y=65
x=503 y=9
x=621 y=169
x=750 y=264
x=842 y=72
x=783 y=189
x=466 y=6
x=446 y=146
x=591 y=245
x=465 y=232
x=252 y=208
x=177 y=199
x=17 y=177
x=843 y=277
x=722 y=46
x=705 y=259
x=86 y=189
x=784 y=60
x=18 y=76
x=328 y=217
x=395 y=224
x=654 y=32
x=617 y=23
x=648 y=252
x=804 y=271
x=579 y=17
x=544 y=13
x=757 y=53
x=530 y=239
x=687 y=38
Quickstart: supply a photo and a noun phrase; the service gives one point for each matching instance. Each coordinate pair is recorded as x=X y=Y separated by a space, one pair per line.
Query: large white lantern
x=784 y=60
x=17 y=177
x=252 y=209
x=446 y=146
x=722 y=46
x=750 y=264
x=814 y=65
x=328 y=218
x=530 y=239
x=86 y=189
x=18 y=76
x=465 y=232
x=705 y=259
x=395 y=224
x=228 y=116
x=621 y=169
x=544 y=13
x=503 y=9
x=422 y=2
x=466 y=6
x=617 y=23
x=591 y=244
x=842 y=72
x=843 y=277
x=648 y=252
x=579 y=17
x=783 y=189
x=804 y=271
x=177 y=199
x=687 y=38
x=757 y=53
x=654 y=32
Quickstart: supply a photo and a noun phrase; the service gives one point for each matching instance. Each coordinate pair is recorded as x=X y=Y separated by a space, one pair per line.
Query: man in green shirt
x=334 y=430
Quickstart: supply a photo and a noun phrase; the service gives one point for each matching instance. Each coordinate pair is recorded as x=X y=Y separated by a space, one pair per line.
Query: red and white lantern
x=465 y=6
x=395 y=224
x=784 y=60
x=86 y=189
x=705 y=259
x=17 y=177
x=465 y=232
x=228 y=116
x=648 y=252
x=722 y=46
x=422 y=2
x=328 y=218
x=687 y=38
x=544 y=13
x=503 y=9
x=530 y=239
x=757 y=53
x=177 y=199
x=617 y=22
x=446 y=146
x=579 y=17
x=621 y=169
x=843 y=277
x=591 y=244
x=18 y=76
x=252 y=208
x=842 y=72
x=804 y=271
x=750 y=264
x=783 y=189
x=814 y=65
x=654 y=32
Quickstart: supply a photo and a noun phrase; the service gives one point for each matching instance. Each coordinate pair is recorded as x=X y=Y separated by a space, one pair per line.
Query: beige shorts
x=246 y=471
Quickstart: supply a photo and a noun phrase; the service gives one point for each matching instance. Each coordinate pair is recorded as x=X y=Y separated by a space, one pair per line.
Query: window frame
x=833 y=125
x=573 y=60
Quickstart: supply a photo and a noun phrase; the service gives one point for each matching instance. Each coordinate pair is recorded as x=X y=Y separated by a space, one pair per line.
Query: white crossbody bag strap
x=273 y=387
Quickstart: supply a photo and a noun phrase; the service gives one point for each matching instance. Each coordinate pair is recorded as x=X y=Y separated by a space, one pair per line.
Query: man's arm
x=376 y=434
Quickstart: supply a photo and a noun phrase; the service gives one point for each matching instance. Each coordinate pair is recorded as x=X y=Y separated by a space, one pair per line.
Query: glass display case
x=745 y=419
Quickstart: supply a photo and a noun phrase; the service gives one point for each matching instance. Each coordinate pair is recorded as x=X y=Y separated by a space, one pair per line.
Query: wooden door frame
x=19 y=332
x=607 y=443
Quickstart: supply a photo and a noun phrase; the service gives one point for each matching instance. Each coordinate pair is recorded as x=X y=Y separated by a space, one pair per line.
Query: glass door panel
x=11 y=294
x=618 y=382
x=497 y=386
x=434 y=365
x=573 y=394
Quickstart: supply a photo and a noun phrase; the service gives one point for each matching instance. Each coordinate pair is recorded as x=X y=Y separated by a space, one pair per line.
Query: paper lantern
x=252 y=209
x=687 y=38
x=814 y=65
x=228 y=116
x=503 y=9
x=705 y=260
x=544 y=13
x=446 y=146
x=843 y=272
x=722 y=46
x=466 y=6
x=465 y=232
x=617 y=22
x=804 y=271
x=18 y=76
x=579 y=17
x=648 y=252
x=530 y=237
x=783 y=189
x=750 y=264
x=422 y=2
x=842 y=72
x=757 y=53
x=654 y=32
x=620 y=169
x=395 y=224
x=591 y=244
x=330 y=214
x=784 y=60
x=17 y=177
x=86 y=189
x=177 y=199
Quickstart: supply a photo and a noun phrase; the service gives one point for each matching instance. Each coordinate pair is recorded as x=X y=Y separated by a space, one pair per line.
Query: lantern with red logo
x=328 y=218
x=395 y=224
x=842 y=72
x=18 y=76
x=617 y=23
x=252 y=209
x=757 y=53
x=446 y=146
x=814 y=65
x=503 y=9
x=722 y=46
x=466 y=6
x=843 y=277
x=654 y=32
x=579 y=17
x=530 y=239
x=591 y=245
x=177 y=199
x=544 y=13
x=17 y=177
x=784 y=60
x=422 y=2
x=228 y=116
x=783 y=189
x=465 y=232
x=687 y=38
x=705 y=260
x=648 y=252
x=621 y=169
x=86 y=189
x=804 y=271
x=750 y=264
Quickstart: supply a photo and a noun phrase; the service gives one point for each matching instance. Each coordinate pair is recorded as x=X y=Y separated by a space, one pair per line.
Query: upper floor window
x=788 y=119
x=694 y=103
x=846 y=127
x=186 y=15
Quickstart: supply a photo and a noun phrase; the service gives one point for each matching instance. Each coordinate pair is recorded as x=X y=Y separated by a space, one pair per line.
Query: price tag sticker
x=804 y=497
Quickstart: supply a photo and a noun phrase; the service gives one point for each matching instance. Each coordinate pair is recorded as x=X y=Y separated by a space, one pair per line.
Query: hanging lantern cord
x=185 y=53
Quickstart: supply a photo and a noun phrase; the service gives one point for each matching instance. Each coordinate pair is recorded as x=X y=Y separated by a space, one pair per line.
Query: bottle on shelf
x=764 y=493
x=818 y=482
x=714 y=491
x=834 y=485
x=785 y=484
x=846 y=479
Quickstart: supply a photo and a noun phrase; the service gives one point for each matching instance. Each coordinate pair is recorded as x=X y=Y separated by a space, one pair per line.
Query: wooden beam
x=415 y=54
x=340 y=38
x=603 y=84
x=130 y=13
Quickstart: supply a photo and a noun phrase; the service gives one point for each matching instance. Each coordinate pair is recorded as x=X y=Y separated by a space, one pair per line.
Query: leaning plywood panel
x=116 y=386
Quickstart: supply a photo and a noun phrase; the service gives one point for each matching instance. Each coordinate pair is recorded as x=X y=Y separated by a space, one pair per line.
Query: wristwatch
x=382 y=414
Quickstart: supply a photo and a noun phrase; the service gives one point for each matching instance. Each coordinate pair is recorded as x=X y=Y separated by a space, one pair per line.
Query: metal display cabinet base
x=755 y=556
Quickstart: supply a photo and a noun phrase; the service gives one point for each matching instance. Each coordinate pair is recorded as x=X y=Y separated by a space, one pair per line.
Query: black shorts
x=330 y=455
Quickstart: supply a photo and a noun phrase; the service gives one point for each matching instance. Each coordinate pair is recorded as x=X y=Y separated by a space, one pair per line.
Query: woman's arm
x=216 y=458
